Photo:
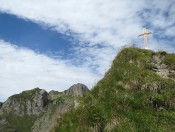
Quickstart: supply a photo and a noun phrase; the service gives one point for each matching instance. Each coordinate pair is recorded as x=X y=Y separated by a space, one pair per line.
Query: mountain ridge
x=37 y=107
x=136 y=94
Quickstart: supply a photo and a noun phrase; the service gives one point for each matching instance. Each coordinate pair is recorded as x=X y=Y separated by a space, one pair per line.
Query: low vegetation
x=130 y=97
x=20 y=123
x=170 y=60
x=26 y=94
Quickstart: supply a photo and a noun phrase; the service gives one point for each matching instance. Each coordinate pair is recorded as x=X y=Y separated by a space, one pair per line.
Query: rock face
x=30 y=102
x=49 y=119
x=37 y=107
x=60 y=102
x=161 y=68
x=77 y=90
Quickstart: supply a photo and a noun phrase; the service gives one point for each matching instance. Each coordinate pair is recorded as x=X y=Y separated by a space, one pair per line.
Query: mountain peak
x=30 y=102
x=77 y=90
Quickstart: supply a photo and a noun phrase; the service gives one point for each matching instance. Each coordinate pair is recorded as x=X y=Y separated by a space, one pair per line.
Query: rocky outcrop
x=49 y=119
x=161 y=68
x=60 y=102
x=30 y=102
x=77 y=90
x=45 y=107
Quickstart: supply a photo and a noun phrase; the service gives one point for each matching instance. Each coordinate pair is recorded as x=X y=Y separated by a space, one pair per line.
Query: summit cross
x=145 y=37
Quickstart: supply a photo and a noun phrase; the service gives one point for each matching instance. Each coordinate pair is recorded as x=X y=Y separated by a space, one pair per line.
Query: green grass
x=55 y=94
x=136 y=108
x=22 y=123
x=26 y=94
x=170 y=60
x=172 y=75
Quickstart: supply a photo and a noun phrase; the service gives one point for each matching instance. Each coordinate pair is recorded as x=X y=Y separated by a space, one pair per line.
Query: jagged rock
x=49 y=119
x=33 y=102
x=30 y=102
x=77 y=90
x=160 y=68
x=59 y=104
x=76 y=103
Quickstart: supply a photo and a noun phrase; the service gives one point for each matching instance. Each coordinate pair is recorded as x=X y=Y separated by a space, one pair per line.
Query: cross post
x=145 y=37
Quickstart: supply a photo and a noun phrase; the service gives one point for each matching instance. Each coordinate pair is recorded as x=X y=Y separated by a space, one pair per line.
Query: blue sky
x=28 y=34
x=54 y=44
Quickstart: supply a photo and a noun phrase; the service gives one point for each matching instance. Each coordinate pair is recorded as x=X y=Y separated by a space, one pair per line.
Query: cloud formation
x=23 y=69
x=98 y=22
x=98 y=27
x=112 y=23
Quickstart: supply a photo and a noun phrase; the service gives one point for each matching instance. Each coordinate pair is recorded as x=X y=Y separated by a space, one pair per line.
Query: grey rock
x=49 y=119
x=76 y=103
x=33 y=105
x=161 y=69
x=60 y=102
x=77 y=90
x=3 y=122
x=13 y=106
x=39 y=102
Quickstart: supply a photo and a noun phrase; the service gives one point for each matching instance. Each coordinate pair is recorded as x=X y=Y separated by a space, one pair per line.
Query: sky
x=55 y=44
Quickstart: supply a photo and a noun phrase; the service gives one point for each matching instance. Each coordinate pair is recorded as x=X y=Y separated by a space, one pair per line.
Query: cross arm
x=149 y=33
x=140 y=35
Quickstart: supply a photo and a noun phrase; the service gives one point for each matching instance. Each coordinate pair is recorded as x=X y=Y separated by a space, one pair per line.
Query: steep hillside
x=136 y=94
x=36 y=110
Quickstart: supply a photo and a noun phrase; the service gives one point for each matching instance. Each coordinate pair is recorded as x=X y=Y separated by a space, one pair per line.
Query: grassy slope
x=122 y=102
x=21 y=123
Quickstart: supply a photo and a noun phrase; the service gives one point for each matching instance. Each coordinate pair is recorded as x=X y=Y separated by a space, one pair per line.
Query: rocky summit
x=77 y=90
x=136 y=94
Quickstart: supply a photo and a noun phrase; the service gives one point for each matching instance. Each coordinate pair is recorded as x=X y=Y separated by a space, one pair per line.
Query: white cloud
x=101 y=27
x=107 y=19
x=23 y=69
